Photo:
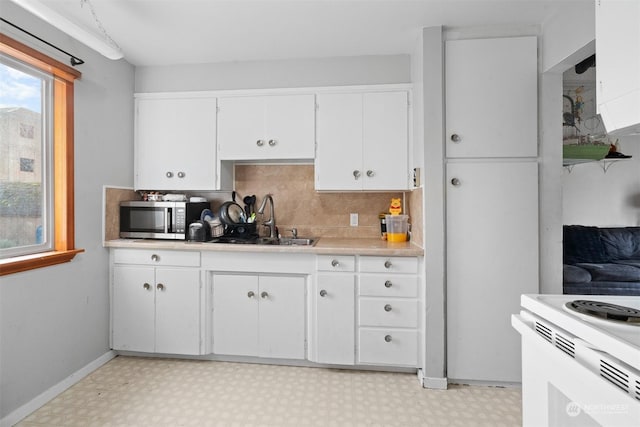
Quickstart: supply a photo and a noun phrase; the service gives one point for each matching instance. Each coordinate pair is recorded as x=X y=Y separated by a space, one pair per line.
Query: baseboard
x=40 y=400
x=431 y=382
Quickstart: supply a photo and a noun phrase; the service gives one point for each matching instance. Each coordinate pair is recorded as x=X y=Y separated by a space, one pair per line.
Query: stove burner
x=606 y=310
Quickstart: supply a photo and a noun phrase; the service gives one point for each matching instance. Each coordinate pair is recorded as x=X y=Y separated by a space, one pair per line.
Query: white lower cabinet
x=334 y=311
x=388 y=311
x=156 y=309
x=259 y=315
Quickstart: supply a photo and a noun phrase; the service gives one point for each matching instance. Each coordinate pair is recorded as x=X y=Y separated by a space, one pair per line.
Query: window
x=36 y=159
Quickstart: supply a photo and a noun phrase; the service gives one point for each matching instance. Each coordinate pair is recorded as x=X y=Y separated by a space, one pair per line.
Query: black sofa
x=601 y=260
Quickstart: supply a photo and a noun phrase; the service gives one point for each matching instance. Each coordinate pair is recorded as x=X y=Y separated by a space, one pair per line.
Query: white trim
x=40 y=400
x=275 y=91
x=432 y=383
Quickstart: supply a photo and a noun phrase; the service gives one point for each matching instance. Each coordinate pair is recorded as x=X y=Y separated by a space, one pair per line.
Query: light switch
x=353 y=219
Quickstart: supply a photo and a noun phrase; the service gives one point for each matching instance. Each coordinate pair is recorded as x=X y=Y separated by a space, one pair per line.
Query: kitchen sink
x=297 y=241
x=284 y=241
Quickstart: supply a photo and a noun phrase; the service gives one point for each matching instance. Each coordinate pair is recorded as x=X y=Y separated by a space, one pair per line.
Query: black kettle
x=199 y=231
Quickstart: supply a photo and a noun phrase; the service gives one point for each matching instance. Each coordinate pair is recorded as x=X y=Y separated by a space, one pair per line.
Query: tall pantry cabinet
x=491 y=201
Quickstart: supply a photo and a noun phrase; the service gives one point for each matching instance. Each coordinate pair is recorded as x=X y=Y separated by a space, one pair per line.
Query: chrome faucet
x=271 y=222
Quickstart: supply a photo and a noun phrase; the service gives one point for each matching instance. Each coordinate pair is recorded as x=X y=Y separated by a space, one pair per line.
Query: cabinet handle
x=323 y=293
x=456 y=138
x=169 y=174
x=335 y=263
x=370 y=173
x=181 y=174
x=387 y=264
x=251 y=294
x=455 y=182
x=356 y=174
x=387 y=338
x=160 y=287
x=155 y=258
x=387 y=307
x=388 y=284
x=272 y=142
x=264 y=295
x=146 y=286
x=260 y=142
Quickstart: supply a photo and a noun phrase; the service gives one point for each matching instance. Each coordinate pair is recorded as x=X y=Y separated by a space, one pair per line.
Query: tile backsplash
x=313 y=213
x=297 y=204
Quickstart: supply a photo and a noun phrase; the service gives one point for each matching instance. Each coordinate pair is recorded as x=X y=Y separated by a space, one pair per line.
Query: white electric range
x=580 y=360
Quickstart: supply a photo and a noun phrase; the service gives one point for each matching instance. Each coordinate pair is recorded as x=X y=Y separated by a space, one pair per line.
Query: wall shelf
x=604 y=164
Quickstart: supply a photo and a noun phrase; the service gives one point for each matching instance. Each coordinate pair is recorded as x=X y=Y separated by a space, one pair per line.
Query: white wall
x=592 y=197
x=55 y=320
x=566 y=39
x=337 y=71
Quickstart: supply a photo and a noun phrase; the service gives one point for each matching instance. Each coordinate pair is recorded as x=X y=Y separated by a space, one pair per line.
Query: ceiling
x=167 y=32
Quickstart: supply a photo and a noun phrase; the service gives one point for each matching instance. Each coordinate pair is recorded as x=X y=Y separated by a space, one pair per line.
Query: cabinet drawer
x=336 y=263
x=390 y=312
x=379 y=264
x=388 y=285
x=388 y=346
x=159 y=257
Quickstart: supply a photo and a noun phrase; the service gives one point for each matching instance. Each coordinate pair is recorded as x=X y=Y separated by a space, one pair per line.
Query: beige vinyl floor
x=134 y=391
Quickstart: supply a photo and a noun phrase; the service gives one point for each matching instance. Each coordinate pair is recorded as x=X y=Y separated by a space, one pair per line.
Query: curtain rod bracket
x=74 y=60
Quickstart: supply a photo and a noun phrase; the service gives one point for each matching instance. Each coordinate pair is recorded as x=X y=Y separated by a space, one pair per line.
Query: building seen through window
x=25 y=145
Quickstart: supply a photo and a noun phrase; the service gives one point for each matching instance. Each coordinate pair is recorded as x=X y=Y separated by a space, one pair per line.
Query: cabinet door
x=492 y=258
x=178 y=311
x=241 y=127
x=290 y=127
x=618 y=68
x=235 y=314
x=491 y=97
x=282 y=317
x=386 y=141
x=133 y=308
x=335 y=318
x=175 y=144
x=338 y=164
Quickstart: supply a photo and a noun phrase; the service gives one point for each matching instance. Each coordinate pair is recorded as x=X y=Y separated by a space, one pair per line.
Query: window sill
x=31 y=262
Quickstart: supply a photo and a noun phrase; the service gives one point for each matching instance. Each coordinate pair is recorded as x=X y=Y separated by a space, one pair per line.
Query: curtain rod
x=72 y=58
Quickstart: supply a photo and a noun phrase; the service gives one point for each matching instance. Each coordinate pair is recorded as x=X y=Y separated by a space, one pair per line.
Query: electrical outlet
x=353 y=219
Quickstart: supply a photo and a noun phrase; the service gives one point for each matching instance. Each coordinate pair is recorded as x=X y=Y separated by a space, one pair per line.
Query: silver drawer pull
x=155 y=257
x=456 y=138
x=250 y=294
x=146 y=286
x=264 y=295
x=181 y=174
x=323 y=293
x=169 y=174
x=272 y=142
x=387 y=307
x=387 y=338
x=260 y=142
x=388 y=284
x=335 y=263
x=387 y=264
x=160 y=287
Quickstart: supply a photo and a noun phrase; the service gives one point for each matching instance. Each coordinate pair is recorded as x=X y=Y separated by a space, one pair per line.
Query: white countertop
x=324 y=245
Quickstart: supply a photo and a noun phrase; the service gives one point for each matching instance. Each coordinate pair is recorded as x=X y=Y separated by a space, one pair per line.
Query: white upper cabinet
x=266 y=127
x=175 y=143
x=618 y=65
x=363 y=141
x=491 y=98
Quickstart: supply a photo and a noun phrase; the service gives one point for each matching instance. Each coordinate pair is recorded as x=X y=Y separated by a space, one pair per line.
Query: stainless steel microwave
x=159 y=220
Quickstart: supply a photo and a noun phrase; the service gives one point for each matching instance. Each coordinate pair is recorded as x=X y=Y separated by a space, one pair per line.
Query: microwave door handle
x=168 y=223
